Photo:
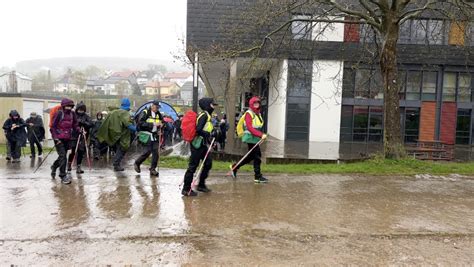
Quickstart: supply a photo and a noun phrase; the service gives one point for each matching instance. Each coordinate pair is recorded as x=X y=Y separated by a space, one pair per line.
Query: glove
x=264 y=136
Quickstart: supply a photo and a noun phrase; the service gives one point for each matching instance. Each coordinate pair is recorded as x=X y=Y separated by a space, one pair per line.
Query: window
x=449 y=86
x=375 y=124
x=367 y=34
x=463 y=126
x=361 y=119
x=413 y=85
x=404 y=35
x=464 y=87
x=301 y=29
x=346 y=123
x=402 y=75
x=376 y=85
x=412 y=124
x=436 y=32
x=423 y=31
x=429 y=86
x=362 y=83
x=418 y=31
x=348 y=83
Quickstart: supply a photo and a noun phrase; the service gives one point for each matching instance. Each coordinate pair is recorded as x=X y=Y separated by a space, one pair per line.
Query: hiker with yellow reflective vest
x=150 y=123
x=253 y=133
x=199 y=146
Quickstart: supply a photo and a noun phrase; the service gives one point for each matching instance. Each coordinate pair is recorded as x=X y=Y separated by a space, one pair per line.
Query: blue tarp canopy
x=165 y=108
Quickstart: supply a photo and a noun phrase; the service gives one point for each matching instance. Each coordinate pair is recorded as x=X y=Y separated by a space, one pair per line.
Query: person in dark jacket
x=16 y=135
x=35 y=133
x=224 y=127
x=178 y=136
x=79 y=138
x=99 y=149
x=64 y=123
x=199 y=147
x=151 y=122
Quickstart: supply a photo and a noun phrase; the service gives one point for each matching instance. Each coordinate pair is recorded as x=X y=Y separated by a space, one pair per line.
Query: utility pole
x=195 y=82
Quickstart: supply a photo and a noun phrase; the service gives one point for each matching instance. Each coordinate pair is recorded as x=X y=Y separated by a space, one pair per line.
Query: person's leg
x=40 y=147
x=9 y=150
x=154 y=158
x=16 y=150
x=146 y=153
x=72 y=156
x=192 y=166
x=32 y=146
x=257 y=161
x=248 y=159
x=205 y=172
x=119 y=155
x=61 y=148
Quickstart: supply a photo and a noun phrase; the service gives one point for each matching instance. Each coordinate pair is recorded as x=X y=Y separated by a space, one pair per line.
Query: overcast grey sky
x=33 y=29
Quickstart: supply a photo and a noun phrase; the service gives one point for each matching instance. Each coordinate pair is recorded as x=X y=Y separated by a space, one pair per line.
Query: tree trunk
x=392 y=139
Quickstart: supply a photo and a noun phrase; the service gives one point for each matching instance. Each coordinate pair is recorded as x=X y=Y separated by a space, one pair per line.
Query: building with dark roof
x=321 y=82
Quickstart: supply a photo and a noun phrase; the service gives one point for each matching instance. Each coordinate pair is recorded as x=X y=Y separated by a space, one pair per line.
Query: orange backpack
x=52 y=113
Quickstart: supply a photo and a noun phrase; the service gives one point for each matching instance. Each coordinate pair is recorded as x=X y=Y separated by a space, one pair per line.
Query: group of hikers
x=71 y=127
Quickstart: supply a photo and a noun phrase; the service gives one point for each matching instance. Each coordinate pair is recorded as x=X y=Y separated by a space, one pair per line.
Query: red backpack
x=53 y=112
x=188 y=126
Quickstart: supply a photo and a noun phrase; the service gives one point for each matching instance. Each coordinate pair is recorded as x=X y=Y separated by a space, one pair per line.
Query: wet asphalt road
x=120 y=219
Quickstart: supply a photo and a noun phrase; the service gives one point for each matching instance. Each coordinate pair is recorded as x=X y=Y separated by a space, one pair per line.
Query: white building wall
x=326 y=98
x=277 y=100
x=4 y=81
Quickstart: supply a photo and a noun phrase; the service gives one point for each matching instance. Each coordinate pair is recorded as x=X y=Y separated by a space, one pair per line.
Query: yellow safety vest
x=151 y=119
x=208 y=127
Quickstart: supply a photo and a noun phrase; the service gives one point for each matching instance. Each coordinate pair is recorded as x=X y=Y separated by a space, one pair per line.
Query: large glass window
x=436 y=32
x=376 y=85
x=413 y=85
x=449 y=87
x=362 y=83
x=464 y=87
x=463 y=126
x=301 y=29
x=375 y=124
x=361 y=119
x=429 y=85
x=346 y=123
x=405 y=32
x=418 y=31
x=412 y=124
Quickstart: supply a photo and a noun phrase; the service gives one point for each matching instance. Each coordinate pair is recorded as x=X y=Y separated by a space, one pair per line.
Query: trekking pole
x=245 y=156
x=198 y=174
x=159 y=150
x=87 y=152
x=41 y=163
x=75 y=151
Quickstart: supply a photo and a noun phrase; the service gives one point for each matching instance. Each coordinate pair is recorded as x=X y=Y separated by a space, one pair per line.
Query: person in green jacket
x=116 y=131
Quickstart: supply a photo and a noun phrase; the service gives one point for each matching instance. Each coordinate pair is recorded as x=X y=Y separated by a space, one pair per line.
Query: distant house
x=146 y=76
x=186 y=92
x=14 y=82
x=178 y=77
x=118 y=83
x=67 y=84
x=168 y=90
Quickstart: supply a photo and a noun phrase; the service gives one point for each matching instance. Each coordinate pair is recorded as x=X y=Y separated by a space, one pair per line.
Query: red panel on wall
x=427 y=121
x=351 y=32
x=448 y=123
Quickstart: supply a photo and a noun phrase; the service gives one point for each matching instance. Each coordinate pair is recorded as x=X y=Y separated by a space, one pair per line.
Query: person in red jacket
x=253 y=133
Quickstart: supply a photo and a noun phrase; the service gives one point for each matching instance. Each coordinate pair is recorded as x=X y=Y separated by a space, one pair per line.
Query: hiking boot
x=40 y=155
x=69 y=167
x=260 y=180
x=188 y=193
x=66 y=179
x=118 y=169
x=16 y=161
x=96 y=158
x=233 y=172
x=79 y=170
x=32 y=156
x=154 y=173
x=136 y=166
x=53 y=172
x=204 y=189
